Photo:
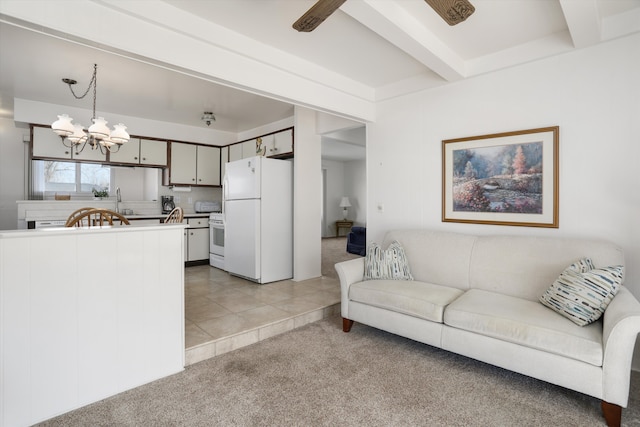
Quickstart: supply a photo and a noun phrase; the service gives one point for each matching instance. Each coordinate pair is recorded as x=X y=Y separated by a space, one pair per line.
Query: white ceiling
x=374 y=49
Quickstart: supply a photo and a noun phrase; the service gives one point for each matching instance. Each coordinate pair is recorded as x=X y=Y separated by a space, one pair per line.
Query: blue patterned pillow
x=583 y=292
x=386 y=264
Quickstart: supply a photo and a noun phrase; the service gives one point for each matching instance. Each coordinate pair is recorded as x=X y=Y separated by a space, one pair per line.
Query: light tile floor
x=224 y=312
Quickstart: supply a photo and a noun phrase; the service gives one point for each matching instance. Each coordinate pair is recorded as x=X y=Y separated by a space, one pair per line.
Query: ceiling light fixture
x=208 y=117
x=99 y=137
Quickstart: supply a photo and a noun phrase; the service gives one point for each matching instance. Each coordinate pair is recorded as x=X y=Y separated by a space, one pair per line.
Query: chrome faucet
x=118 y=199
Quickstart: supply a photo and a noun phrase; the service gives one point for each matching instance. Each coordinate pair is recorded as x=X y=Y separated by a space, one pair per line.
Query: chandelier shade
x=99 y=128
x=119 y=134
x=100 y=136
x=63 y=126
x=78 y=136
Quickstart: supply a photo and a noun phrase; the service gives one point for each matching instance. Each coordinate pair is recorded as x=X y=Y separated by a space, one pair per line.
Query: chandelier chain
x=95 y=89
x=94 y=83
x=91 y=83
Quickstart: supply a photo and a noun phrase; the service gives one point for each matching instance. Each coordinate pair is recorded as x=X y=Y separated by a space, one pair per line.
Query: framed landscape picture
x=504 y=179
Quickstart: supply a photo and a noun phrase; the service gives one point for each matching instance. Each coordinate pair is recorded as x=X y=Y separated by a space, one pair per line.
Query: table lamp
x=344 y=204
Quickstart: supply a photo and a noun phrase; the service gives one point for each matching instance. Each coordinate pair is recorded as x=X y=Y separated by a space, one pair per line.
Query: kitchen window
x=50 y=177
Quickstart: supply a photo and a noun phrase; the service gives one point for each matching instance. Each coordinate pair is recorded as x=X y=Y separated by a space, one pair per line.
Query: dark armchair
x=357 y=241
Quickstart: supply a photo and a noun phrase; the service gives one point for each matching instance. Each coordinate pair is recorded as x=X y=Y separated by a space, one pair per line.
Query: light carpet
x=318 y=375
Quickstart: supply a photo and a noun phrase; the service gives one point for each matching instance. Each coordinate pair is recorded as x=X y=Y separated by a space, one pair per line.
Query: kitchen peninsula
x=87 y=313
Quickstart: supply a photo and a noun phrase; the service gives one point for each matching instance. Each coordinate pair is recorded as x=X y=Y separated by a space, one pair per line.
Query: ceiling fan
x=452 y=11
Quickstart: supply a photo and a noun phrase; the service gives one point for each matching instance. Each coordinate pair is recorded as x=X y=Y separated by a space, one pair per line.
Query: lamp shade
x=78 y=136
x=63 y=126
x=119 y=135
x=344 y=203
x=99 y=128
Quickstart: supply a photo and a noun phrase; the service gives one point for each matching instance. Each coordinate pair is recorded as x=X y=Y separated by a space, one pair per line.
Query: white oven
x=216 y=240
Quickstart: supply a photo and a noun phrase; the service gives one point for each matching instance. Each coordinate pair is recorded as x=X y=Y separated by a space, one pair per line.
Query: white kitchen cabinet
x=129 y=152
x=266 y=144
x=208 y=165
x=153 y=152
x=281 y=143
x=89 y=154
x=183 y=163
x=242 y=150
x=198 y=222
x=48 y=145
x=193 y=164
x=249 y=148
x=139 y=151
x=198 y=244
x=197 y=239
x=235 y=152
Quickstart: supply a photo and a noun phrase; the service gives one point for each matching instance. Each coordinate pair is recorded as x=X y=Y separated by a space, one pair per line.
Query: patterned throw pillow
x=386 y=264
x=583 y=292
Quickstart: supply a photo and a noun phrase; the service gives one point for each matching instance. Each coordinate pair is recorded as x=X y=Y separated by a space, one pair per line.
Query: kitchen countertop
x=49 y=210
x=162 y=216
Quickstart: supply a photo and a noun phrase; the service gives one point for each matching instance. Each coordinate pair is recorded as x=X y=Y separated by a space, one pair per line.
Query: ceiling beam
x=393 y=23
x=583 y=21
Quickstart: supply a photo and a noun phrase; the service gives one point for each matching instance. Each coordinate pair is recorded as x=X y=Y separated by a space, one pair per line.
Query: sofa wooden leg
x=346 y=324
x=612 y=414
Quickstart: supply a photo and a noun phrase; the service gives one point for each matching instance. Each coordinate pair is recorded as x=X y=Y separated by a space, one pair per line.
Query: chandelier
x=100 y=136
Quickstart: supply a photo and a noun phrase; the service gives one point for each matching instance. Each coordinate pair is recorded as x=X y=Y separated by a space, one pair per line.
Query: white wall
x=592 y=94
x=132 y=183
x=13 y=154
x=306 y=196
x=355 y=186
x=334 y=190
x=186 y=200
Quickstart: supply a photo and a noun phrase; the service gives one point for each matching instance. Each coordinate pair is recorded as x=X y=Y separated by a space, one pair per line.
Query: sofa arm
x=349 y=272
x=620 y=330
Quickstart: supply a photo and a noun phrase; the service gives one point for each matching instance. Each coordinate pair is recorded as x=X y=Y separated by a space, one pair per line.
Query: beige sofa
x=479 y=297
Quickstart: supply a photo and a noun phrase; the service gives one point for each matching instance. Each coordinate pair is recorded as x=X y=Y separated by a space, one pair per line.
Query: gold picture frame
x=508 y=178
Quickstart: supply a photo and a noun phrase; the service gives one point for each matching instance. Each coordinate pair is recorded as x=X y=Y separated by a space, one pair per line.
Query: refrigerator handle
x=224 y=198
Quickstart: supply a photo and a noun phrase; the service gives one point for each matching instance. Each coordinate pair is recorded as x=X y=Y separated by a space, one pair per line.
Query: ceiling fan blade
x=452 y=11
x=318 y=13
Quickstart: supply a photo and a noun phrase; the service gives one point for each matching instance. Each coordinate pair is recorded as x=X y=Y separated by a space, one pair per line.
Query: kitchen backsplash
x=187 y=199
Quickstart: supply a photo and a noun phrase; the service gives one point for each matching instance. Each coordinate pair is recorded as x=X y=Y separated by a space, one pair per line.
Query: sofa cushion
x=582 y=292
x=525 y=322
x=419 y=299
x=525 y=266
x=439 y=257
x=386 y=264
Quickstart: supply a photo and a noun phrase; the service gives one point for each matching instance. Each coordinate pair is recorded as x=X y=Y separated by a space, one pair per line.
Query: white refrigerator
x=258 y=219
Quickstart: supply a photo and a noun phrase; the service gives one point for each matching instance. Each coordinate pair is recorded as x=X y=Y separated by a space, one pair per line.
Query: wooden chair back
x=74 y=214
x=175 y=216
x=96 y=218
